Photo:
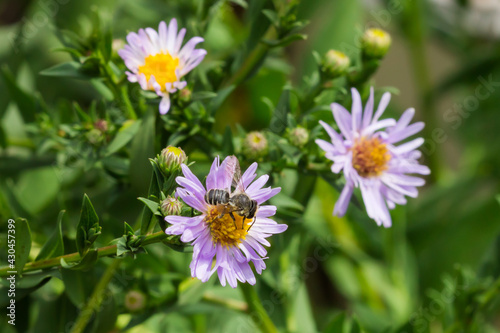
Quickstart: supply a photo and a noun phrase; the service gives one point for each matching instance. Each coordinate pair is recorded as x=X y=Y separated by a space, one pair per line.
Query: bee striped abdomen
x=217 y=197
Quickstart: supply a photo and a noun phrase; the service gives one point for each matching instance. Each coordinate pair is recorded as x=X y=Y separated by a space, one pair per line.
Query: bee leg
x=251 y=225
x=234 y=220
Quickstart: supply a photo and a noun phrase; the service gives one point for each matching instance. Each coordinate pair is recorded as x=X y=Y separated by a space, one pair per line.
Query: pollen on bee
x=225 y=230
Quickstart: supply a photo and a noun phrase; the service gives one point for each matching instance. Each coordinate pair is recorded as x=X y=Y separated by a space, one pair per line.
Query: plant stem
x=228 y=303
x=105 y=251
x=126 y=102
x=95 y=300
x=416 y=38
x=256 y=310
x=256 y=56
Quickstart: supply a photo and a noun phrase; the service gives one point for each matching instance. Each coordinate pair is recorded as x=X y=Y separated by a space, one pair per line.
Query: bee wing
x=233 y=168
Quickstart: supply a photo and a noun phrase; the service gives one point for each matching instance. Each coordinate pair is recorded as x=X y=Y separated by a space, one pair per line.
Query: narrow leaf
x=23 y=243
x=54 y=247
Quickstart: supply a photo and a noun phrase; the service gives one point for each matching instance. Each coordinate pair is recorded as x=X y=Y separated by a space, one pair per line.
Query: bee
x=238 y=201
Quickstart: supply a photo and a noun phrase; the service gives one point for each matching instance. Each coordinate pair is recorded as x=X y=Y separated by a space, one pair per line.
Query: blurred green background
x=435 y=270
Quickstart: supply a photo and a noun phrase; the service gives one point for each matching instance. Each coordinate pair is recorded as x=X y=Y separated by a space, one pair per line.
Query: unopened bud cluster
x=255 y=145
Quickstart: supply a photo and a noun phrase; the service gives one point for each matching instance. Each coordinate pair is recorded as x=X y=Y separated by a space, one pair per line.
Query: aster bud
x=375 y=43
x=135 y=301
x=299 y=136
x=335 y=64
x=101 y=125
x=185 y=95
x=171 y=206
x=94 y=136
x=171 y=159
x=255 y=145
x=117 y=44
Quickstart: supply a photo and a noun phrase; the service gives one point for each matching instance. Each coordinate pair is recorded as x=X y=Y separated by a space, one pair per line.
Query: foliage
x=81 y=171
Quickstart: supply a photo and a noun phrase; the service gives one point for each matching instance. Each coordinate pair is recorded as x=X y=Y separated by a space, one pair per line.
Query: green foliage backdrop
x=79 y=171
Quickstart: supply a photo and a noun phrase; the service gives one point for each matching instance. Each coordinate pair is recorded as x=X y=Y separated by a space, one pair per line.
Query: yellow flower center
x=174 y=150
x=370 y=157
x=378 y=32
x=225 y=230
x=162 y=67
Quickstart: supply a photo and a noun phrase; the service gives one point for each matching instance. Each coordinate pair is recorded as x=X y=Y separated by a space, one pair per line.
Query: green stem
x=304 y=188
x=126 y=102
x=256 y=56
x=105 y=251
x=256 y=310
x=95 y=300
x=227 y=303
x=416 y=38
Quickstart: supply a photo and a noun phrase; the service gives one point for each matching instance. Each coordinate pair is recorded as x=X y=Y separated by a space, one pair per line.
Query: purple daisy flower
x=365 y=150
x=233 y=243
x=157 y=62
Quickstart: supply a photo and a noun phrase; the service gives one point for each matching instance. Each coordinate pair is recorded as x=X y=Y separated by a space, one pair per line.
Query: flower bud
x=171 y=206
x=94 y=137
x=135 y=301
x=299 y=136
x=375 y=43
x=117 y=44
x=171 y=159
x=185 y=95
x=101 y=125
x=255 y=145
x=335 y=64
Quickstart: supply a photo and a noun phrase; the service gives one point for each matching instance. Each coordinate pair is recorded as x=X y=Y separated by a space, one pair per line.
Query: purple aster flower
x=366 y=151
x=233 y=243
x=157 y=62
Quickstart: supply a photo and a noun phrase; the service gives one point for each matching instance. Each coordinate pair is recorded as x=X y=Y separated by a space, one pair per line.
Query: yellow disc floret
x=162 y=67
x=225 y=230
x=370 y=156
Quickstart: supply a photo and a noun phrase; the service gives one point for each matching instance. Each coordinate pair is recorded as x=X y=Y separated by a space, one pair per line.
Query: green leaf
x=227 y=142
x=203 y=95
x=152 y=205
x=85 y=264
x=222 y=94
x=26 y=103
x=154 y=191
x=336 y=325
x=71 y=69
x=355 y=328
x=279 y=119
x=271 y=15
x=143 y=149
x=285 y=41
x=125 y=134
x=88 y=221
x=55 y=314
x=30 y=280
x=127 y=229
x=78 y=285
x=3 y=139
x=117 y=166
x=54 y=247
x=23 y=244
